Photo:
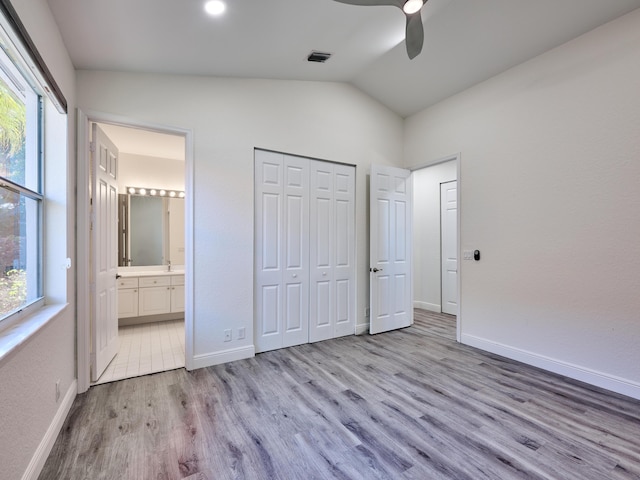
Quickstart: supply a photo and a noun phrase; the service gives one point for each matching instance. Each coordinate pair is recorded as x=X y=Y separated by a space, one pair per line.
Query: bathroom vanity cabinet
x=145 y=295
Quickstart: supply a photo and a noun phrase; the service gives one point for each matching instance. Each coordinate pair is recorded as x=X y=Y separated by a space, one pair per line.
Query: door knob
x=375 y=270
x=118 y=276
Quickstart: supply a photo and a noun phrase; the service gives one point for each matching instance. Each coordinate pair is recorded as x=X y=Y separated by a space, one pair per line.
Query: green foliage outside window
x=13 y=285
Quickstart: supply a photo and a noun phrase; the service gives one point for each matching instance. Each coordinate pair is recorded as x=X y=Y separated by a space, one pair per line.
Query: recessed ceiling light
x=215 y=7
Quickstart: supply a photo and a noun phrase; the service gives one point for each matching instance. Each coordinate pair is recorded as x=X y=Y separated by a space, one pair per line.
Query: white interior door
x=332 y=251
x=104 y=311
x=282 y=250
x=391 y=213
x=449 y=242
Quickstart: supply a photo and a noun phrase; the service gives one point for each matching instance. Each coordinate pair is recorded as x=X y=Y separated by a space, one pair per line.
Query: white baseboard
x=224 y=356
x=46 y=444
x=362 y=328
x=432 y=307
x=577 y=372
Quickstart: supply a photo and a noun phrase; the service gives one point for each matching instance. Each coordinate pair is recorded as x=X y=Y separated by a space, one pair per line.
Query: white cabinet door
x=332 y=251
x=177 y=298
x=127 y=302
x=449 y=232
x=282 y=250
x=154 y=300
x=104 y=252
x=391 y=304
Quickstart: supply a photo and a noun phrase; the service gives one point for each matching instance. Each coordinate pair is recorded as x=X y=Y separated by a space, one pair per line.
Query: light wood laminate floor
x=408 y=404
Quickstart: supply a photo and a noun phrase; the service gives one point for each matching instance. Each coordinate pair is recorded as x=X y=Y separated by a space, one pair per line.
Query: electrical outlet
x=241 y=333
x=227 y=335
x=57 y=390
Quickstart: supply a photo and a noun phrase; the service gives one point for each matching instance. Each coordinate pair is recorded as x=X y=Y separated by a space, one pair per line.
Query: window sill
x=14 y=336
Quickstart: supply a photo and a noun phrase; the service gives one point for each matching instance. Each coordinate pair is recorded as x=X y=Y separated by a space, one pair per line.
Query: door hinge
x=92 y=147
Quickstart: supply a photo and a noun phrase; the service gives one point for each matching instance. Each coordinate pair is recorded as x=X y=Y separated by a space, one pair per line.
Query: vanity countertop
x=149 y=273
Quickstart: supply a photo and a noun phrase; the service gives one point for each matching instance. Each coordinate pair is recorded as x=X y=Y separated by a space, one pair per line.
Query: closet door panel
x=321 y=317
x=344 y=259
x=270 y=302
x=296 y=251
x=269 y=175
x=332 y=232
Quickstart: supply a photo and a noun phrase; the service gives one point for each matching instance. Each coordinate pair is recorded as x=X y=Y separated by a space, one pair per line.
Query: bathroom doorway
x=153 y=292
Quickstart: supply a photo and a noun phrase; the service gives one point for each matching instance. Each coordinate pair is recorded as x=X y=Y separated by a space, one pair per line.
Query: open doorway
x=152 y=291
x=435 y=279
x=150 y=252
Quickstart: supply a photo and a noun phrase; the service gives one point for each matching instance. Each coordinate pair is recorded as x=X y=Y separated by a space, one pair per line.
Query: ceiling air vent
x=318 y=57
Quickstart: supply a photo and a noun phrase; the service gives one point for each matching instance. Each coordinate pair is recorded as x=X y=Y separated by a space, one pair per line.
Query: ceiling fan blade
x=394 y=3
x=415 y=35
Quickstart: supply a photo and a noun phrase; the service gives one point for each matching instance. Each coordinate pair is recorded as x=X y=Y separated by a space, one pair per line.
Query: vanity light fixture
x=155 y=192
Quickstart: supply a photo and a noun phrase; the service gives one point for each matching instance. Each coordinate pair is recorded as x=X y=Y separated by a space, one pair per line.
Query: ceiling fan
x=414 y=37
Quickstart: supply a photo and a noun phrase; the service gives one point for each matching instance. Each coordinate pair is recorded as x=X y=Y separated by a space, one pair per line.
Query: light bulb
x=172 y=194
x=152 y=191
x=132 y=190
x=163 y=193
x=412 y=6
x=181 y=194
x=142 y=191
x=215 y=7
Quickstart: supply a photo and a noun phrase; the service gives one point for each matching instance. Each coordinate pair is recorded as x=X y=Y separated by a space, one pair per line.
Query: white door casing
x=282 y=250
x=391 y=213
x=449 y=249
x=332 y=251
x=104 y=248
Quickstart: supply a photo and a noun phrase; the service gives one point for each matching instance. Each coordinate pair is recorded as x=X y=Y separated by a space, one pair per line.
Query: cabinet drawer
x=177 y=280
x=131 y=282
x=155 y=281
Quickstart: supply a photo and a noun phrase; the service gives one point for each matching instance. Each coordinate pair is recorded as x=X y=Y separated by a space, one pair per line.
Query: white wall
x=27 y=376
x=549 y=194
x=426 y=233
x=229 y=118
x=143 y=171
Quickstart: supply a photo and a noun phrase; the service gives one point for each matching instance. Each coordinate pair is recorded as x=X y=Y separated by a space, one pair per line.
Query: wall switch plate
x=366 y=312
x=467 y=254
x=241 y=333
x=227 y=335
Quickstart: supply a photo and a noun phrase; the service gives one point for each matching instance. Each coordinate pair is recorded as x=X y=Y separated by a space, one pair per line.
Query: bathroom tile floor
x=147 y=348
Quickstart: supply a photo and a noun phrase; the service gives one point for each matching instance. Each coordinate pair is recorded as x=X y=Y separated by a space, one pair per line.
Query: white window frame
x=19 y=327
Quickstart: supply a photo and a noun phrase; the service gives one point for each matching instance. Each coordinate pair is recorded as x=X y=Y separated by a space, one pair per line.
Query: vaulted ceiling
x=466 y=41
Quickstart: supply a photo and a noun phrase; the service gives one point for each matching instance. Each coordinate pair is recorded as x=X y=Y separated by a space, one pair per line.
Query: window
x=21 y=188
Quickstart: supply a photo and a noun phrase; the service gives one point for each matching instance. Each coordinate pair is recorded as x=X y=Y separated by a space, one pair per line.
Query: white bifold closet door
x=304 y=218
x=332 y=235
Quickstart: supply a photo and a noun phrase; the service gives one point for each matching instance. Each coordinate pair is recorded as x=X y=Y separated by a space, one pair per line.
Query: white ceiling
x=144 y=142
x=466 y=41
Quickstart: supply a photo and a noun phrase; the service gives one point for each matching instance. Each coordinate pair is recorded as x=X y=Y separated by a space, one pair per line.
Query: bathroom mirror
x=150 y=230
